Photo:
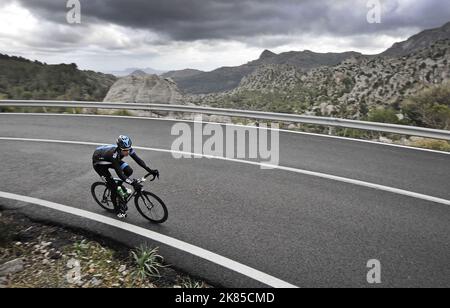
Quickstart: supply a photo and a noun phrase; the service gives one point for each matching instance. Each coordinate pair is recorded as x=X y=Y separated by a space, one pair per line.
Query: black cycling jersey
x=111 y=156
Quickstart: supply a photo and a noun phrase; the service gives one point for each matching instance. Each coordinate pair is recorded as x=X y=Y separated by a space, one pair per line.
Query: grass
x=439 y=145
x=188 y=283
x=147 y=262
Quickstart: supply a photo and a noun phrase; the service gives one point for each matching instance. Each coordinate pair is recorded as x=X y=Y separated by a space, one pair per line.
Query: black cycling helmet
x=124 y=142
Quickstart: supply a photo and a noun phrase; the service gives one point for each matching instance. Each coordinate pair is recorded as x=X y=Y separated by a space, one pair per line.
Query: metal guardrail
x=269 y=116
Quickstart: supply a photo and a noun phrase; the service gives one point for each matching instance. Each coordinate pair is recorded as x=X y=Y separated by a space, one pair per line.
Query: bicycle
x=157 y=210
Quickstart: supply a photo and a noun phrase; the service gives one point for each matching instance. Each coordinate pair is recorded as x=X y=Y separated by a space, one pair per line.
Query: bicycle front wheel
x=151 y=207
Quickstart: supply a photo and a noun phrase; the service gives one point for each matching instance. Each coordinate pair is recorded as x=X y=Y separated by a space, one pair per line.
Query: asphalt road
x=305 y=230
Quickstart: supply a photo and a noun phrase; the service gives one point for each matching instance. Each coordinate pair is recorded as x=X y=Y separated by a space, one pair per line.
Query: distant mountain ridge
x=227 y=78
x=419 y=41
x=186 y=73
x=130 y=70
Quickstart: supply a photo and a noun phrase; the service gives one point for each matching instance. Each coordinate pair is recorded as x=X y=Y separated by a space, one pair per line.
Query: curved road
x=306 y=230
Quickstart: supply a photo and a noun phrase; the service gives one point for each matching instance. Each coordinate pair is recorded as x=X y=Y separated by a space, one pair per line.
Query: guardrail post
x=331 y=130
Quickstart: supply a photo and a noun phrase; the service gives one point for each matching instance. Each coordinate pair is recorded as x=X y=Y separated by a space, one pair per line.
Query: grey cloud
x=190 y=20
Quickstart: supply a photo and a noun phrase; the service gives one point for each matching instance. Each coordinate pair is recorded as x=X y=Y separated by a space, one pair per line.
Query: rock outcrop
x=141 y=87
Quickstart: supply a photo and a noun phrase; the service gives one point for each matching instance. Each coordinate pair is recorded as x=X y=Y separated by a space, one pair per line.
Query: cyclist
x=110 y=157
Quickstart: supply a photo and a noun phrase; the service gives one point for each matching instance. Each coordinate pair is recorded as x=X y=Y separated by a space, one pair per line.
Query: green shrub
x=429 y=108
x=383 y=116
x=147 y=262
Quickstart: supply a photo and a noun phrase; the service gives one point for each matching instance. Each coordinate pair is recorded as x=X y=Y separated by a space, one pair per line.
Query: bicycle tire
x=160 y=203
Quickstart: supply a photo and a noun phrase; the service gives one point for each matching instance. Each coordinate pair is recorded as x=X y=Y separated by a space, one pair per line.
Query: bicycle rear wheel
x=151 y=207
x=102 y=195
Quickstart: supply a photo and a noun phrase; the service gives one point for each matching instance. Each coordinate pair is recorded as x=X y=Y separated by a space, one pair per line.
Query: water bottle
x=121 y=193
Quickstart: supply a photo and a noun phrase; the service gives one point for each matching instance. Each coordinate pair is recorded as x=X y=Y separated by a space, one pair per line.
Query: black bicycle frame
x=136 y=192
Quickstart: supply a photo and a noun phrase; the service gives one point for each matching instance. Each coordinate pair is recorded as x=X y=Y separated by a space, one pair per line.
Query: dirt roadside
x=40 y=255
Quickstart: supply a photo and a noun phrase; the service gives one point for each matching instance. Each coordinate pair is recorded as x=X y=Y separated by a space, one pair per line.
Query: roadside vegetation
x=430 y=108
x=39 y=255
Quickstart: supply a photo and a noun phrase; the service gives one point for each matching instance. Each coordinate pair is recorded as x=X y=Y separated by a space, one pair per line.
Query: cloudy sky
x=204 y=34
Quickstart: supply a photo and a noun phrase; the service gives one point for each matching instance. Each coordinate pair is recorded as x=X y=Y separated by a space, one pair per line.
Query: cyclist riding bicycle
x=110 y=157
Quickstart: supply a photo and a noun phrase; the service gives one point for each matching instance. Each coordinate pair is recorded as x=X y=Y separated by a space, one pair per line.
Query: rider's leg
x=110 y=183
x=127 y=170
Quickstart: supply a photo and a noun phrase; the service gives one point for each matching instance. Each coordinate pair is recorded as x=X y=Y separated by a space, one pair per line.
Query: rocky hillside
x=141 y=87
x=227 y=78
x=419 y=41
x=271 y=78
x=24 y=79
x=186 y=73
x=359 y=84
x=303 y=60
x=349 y=89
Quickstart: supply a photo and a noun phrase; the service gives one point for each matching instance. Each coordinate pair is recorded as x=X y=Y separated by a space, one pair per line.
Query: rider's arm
x=138 y=160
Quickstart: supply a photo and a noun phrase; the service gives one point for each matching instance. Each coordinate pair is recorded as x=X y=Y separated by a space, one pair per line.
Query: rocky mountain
x=303 y=60
x=21 y=78
x=222 y=79
x=186 y=73
x=419 y=41
x=129 y=71
x=359 y=84
x=227 y=78
x=349 y=89
x=140 y=87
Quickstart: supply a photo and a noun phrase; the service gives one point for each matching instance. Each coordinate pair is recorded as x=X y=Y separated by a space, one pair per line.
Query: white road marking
x=237 y=125
x=170 y=241
x=301 y=171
